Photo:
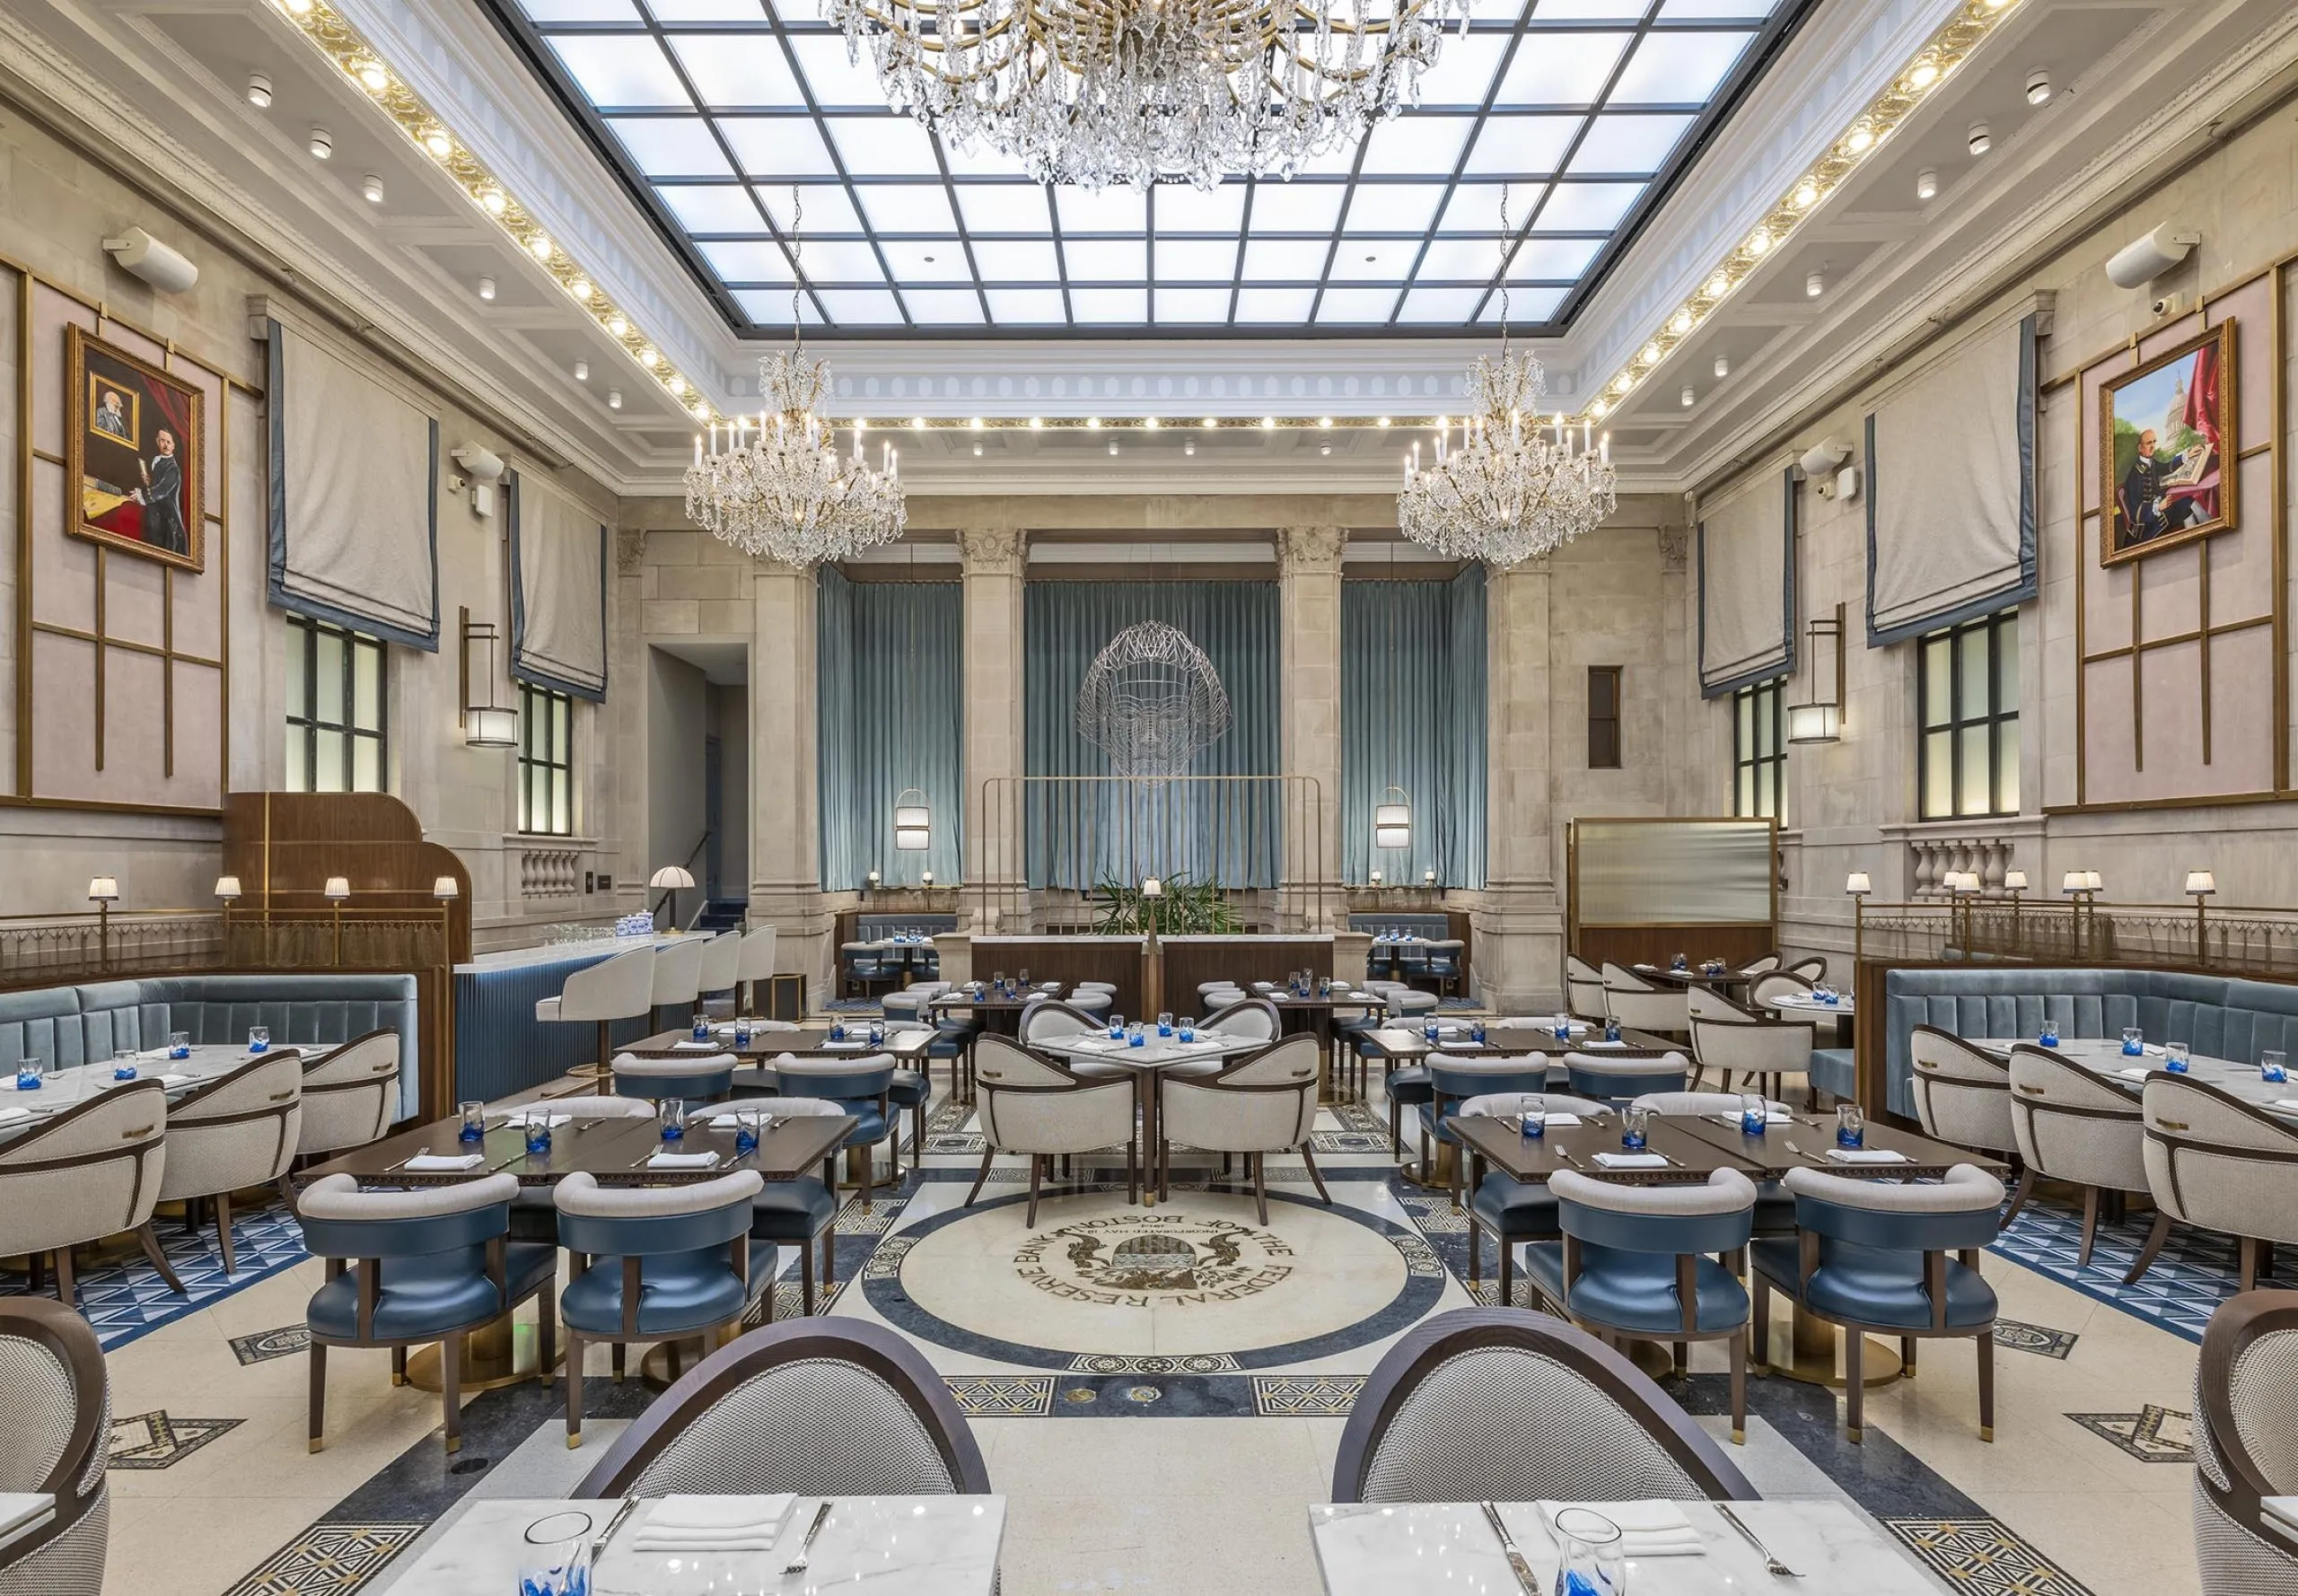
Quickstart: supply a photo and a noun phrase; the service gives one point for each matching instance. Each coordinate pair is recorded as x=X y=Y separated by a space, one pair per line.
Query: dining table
x=890 y=1546
x=1148 y=1064
x=1000 y=1011
x=2103 y=1057
x=1446 y=1548
x=63 y=1089
x=1317 y=1013
x=1726 y=980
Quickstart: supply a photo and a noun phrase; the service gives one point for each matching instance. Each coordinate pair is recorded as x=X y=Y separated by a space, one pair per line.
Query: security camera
x=2141 y=261
x=2167 y=304
x=1822 y=458
x=1842 y=485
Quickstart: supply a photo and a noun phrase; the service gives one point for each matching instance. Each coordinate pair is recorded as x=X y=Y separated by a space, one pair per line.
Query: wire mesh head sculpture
x=1151 y=702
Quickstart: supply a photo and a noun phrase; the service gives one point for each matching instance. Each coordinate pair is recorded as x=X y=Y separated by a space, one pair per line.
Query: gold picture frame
x=133 y=465
x=2168 y=444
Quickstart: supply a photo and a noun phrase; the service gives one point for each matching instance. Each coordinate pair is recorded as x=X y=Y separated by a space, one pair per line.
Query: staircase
x=723 y=913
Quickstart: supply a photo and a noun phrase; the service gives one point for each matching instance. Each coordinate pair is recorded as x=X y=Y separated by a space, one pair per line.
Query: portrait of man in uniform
x=2162 y=433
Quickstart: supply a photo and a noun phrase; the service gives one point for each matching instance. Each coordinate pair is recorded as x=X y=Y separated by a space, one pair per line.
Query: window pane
x=367 y=686
x=560 y=820
x=1938 y=694
x=1767 y=721
x=1938 y=775
x=298 y=671
x=1743 y=787
x=2006 y=653
x=330 y=776
x=1978 y=795
x=1763 y=788
x=299 y=776
x=366 y=765
x=2007 y=768
x=562 y=747
x=1744 y=747
x=1976 y=686
x=327 y=678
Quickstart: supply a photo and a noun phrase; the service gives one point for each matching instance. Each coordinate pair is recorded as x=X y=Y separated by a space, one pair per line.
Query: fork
x=1771 y=1563
x=797 y=1565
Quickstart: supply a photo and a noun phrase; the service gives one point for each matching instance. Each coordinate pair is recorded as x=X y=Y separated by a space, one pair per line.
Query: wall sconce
x=870 y=883
x=913 y=823
x=1153 y=896
x=488 y=724
x=1817 y=721
x=1392 y=822
x=1374 y=880
x=925 y=881
x=446 y=889
x=1429 y=879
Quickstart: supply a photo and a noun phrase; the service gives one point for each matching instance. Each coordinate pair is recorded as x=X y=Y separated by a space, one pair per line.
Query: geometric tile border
x=2190 y=1277
x=2017 y=1336
x=124 y=1297
x=2152 y=1436
x=155 y=1440
x=328 y=1560
x=1001 y=1396
x=264 y=1346
x=1982 y=1557
x=1306 y=1395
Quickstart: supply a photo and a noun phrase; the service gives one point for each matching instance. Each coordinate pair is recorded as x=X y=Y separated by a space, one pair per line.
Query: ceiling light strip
x=364 y=65
x=1238 y=423
x=1939 y=55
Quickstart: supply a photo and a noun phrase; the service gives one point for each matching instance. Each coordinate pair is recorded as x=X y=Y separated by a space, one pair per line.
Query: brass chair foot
x=315 y=1444
x=1739 y=1438
x=572 y=1441
x=1855 y=1433
x=454 y=1445
x=1986 y=1433
x=398 y=1379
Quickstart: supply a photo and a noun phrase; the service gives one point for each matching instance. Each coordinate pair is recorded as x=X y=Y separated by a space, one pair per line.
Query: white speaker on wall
x=1820 y=459
x=141 y=255
x=2142 y=260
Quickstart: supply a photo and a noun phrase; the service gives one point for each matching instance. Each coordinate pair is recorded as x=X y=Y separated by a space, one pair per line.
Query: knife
x=1516 y=1563
x=599 y=1546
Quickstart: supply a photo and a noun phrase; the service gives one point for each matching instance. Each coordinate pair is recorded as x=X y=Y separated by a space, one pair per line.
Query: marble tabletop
x=1408 y=1549
x=2103 y=1057
x=1803 y=1002
x=1154 y=1051
x=68 y=1087
x=23 y=1511
x=883 y=1545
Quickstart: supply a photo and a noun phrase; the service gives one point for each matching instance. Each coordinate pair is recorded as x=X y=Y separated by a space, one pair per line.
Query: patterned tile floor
x=2193 y=1274
x=124 y=1297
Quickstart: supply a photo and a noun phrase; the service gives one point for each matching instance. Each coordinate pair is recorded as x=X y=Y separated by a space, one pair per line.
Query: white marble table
x=22 y=1513
x=1154 y=1053
x=68 y=1087
x=877 y=1545
x=1803 y=1002
x=2103 y=1057
x=1412 y=1549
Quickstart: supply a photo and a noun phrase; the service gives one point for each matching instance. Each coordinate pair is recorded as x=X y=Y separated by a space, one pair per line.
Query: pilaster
x=996 y=556
x=1309 y=561
x=785 y=832
x=1519 y=924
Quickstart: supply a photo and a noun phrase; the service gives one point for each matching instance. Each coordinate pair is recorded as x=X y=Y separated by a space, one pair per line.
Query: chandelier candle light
x=1099 y=93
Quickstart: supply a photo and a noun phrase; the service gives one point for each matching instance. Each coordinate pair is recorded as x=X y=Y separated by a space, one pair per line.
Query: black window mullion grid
x=543 y=753
x=1756 y=755
x=303 y=716
x=2001 y=634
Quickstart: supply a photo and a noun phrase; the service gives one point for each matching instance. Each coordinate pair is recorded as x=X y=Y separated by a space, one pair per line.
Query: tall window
x=339 y=709
x=1603 y=717
x=1759 y=751
x=546 y=760
x=1967 y=687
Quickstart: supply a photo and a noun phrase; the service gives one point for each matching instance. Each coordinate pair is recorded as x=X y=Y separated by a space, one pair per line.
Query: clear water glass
x=258 y=1037
x=2176 y=1059
x=29 y=1072
x=1563 y=1027
x=539 y=1131
x=123 y=1064
x=1592 y=1559
x=1025 y=978
x=2050 y=1038
x=701 y=1026
x=1188 y=1028
x=997 y=979
x=1133 y=1037
x=1532 y=1110
x=1431 y=1031
x=2133 y=1041
x=1165 y=1023
x=1678 y=961
x=741 y=1031
x=1117 y=1028
x=1611 y=1029
x=671 y=1114
x=1635 y=1127
x=1850 y=1125
x=474 y=1119
x=1477 y=1033
x=556 y=1560
x=748 y=1126
x=877 y=1032
x=178 y=1044
x=2274 y=1066
x=1755 y=1113
x=838 y=1030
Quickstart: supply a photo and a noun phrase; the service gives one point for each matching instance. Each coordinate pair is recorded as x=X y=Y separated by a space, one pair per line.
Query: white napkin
x=732 y=1117
x=2136 y=1072
x=1865 y=1155
x=526 y=1117
x=682 y=1160
x=1459 y=1047
x=1603 y=1044
x=2282 y=1515
x=1647 y=967
x=1632 y=1161
x=434 y=1162
x=10 y=1116
x=1646 y=1529
x=169 y=1078
x=2154 y=1052
x=2288 y=1104
x=1555 y=1121
x=712 y=1524
x=1773 y=1115
x=691 y=1045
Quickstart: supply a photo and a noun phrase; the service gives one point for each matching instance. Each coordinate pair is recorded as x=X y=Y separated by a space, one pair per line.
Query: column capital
x=629 y=551
x=1675 y=548
x=992 y=551
x=1310 y=550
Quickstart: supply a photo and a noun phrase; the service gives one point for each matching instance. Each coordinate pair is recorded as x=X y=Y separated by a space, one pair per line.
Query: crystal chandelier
x=777 y=487
x=1098 y=93
x=1514 y=488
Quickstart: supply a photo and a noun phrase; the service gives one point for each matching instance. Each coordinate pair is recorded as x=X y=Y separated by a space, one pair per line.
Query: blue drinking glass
x=474 y=1126
x=746 y=1134
x=1477 y=1033
x=2134 y=1042
x=2050 y=1038
x=2175 y=1059
x=28 y=1074
x=1532 y=1113
x=538 y=1136
x=838 y=1030
x=742 y=1031
x=1635 y=1128
x=701 y=1026
x=1611 y=1030
x=1755 y=1114
x=2272 y=1067
x=1850 y=1125
x=877 y=1032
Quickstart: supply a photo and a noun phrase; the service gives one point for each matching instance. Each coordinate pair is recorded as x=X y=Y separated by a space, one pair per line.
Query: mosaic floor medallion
x=1193 y=1285
x=2152 y=1436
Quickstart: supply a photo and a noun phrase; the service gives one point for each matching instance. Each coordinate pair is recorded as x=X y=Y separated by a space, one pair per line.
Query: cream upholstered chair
x=678 y=975
x=1700 y=1103
x=1963 y=1094
x=1042 y=1021
x=239 y=1129
x=59 y=1417
x=1813 y=967
x=1583 y=989
x=1776 y=983
x=756 y=963
x=1040 y=1110
x=83 y=1173
x=2072 y=1126
x=722 y=968
x=2246 y=1444
x=1616 y=1079
x=1728 y=1037
x=618 y=987
x=2213 y=1161
x=1265 y=1104
x=910 y=1003
x=1640 y=1005
x=351 y=1096
x=1760 y=964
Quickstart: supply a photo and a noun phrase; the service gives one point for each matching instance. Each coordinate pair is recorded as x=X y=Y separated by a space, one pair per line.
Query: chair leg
x=1316 y=1175
x=621 y=1366
x=1132 y=1171
x=574 y=1389
x=224 y=1229
x=1986 y=1340
x=2249 y=1266
x=1907 y=1357
x=398 y=1366
x=151 y=1240
x=1036 y=1168
x=805 y=1282
x=829 y=1260
x=318 y=1405
x=1259 y=1160
x=450 y=1389
x=2027 y=1179
x=287 y=1192
x=67 y=1290
x=1507 y=1295
x=868 y=1179
x=1855 y=1385
x=547 y=1326
x=1759 y=1319
x=2090 y=1225
x=1739 y=1344
x=917 y=1130
x=1164 y=1171
x=980 y=1179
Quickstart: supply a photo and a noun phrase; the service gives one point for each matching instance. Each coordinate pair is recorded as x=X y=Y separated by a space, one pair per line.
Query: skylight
x=1588 y=110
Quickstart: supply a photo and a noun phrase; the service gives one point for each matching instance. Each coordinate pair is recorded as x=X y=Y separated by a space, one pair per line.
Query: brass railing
x=2221 y=941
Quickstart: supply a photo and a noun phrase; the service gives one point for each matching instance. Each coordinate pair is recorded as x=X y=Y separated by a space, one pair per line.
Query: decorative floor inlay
x=155 y=1440
x=2152 y=1436
x=1110 y=1363
x=1306 y=1395
x=2017 y=1336
x=266 y=1345
x=1001 y=1396
x=1983 y=1558
x=122 y=1296
x=2193 y=1274
x=328 y=1560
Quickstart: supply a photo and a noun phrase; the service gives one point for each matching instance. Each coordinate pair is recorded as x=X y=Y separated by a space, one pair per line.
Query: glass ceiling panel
x=1585 y=109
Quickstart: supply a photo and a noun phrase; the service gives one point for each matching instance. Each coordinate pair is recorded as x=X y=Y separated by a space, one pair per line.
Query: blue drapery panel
x=1234 y=834
x=1412 y=714
x=890 y=715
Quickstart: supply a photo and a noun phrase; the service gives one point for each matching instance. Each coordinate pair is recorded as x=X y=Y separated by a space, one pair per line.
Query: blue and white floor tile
x=124 y=1297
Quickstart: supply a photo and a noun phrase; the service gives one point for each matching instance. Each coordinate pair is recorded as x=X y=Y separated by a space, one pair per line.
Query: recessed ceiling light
x=917 y=424
x=1815 y=284
x=581 y=370
x=541 y=247
x=649 y=357
x=1093 y=422
x=1212 y=421
x=487 y=289
x=1151 y=423
x=373 y=75
x=1925 y=74
x=1268 y=424
x=614 y=398
x=1037 y=424
x=372 y=187
x=1689 y=398
x=1722 y=366
x=618 y=326
x=1759 y=242
x=439 y=144
x=1927 y=184
x=1324 y=421
x=259 y=90
x=322 y=145
x=1112 y=446
x=1190 y=446
x=1981 y=140
x=1324 y=449
x=493 y=201
x=677 y=383
x=976 y=424
x=2038 y=87
x=1384 y=421
x=977 y=451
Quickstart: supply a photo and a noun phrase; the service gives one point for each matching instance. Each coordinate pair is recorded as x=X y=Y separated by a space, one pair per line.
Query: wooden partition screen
x=284 y=846
x=1067 y=959
x=1643 y=889
x=1192 y=960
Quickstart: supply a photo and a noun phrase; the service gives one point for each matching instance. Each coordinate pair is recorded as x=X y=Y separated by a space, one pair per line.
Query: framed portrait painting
x=2166 y=442
x=133 y=445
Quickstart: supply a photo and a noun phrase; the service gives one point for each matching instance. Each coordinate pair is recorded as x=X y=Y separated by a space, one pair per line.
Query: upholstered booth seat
x=1835 y=1071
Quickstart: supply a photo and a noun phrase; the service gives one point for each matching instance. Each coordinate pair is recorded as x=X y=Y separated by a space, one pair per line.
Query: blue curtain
x=1412 y=715
x=890 y=715
x=1234 y=834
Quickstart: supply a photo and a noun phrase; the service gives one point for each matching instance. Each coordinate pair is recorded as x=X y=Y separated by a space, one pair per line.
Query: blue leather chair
x=1513 y=1210
x=799 y=1212
x=1454 y=1081
x=862 y=1087
x=695 y=1077
x=1635 y=1264
x=409 y=1267
x=1623 y=1080
x=1444 y=964
x=1873 y=1256
x=651 y=1263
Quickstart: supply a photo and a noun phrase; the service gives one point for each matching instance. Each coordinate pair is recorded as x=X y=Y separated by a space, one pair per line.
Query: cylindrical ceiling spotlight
x=1927 y=184
x=1981 y=140
x=260 y=90
x=614 y=398
x=322 y=145
x=581 y=370
x=1722 y=366
x=1690 y=396
x=370 y=188
x=2038 y=87
x=1815 y=284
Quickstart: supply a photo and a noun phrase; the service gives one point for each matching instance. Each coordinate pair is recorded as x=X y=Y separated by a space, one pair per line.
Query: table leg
x=1150 y=1147
x=497 y=1353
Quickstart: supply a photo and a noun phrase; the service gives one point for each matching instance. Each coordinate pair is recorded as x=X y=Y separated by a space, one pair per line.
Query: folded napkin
x=434 y=1162
x=535 y=1117
x=682 y=1160
x=844 y=1047
x=1647 y=967
x=691 y=1045
x=1464 y=1047
x=1773 y=1115
x=1449 y=1029
x=729 y=1117
x=1632 y=1161
x=10 y=1116
x=1646 y=1529
x=2288 y=1105
x=2154 y=1052
x=1603 y=1044
x=1555 y=1121
x=1865 y=1155
x=2136 y=1072
x=2281 y=1514
x=712 y=1524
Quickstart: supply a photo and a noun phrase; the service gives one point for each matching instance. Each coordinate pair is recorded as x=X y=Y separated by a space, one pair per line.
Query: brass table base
x=655 y=1368
x=1436 y=1174
x=1815 y=1354
x=497 y=1353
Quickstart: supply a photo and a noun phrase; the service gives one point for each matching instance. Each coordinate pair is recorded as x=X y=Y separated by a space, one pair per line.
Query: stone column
x=1519 y=952
x=1309 y=686
x=785 y=832
x=994 y=553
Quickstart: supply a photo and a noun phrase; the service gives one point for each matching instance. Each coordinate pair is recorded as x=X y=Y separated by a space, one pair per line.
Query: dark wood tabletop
x=1515 y=1042
x=1805 y=1144
x=811 y=1041
x=1503 y=1143
x=959 y=998
x=1722 y=980
x=615 y=1151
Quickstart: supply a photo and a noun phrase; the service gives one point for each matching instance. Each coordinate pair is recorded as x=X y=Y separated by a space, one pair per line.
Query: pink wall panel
x=2242 y=711
x=135 y=600
x=2106 y=595
x=199 y=742
x=51 y=313
x=64 y=569
x=2106 y=717
x=2169 y=594
x=2251 y=307
x=2242 y=562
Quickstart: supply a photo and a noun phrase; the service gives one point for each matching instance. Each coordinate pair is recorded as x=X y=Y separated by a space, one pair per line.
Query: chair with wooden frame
x=59 y=1439
x=1262 y=1104
x=233 y=1130
x=2072 y=1126
x=2218 y=1163
x=1033 y=1107
x=2245 y=1415
x=85 y=1172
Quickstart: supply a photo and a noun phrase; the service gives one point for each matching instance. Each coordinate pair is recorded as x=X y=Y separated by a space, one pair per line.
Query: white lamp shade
x=1857 y=884
x=338 y=886
x=873 y=878
x=2201 y=883
x=1814 y=722
x=1964 y=880
x=2014 y=880
x=488 y=727
x=671 y=876
x=1150 y=886
x=1376 y=878
x=1428 y=876
x=103 y=888
x=913 y=823
x=910 y=839
x=446 y=887
x=227 y=887
x=926 y=878
x=1392 y=823
x=2090 y=881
